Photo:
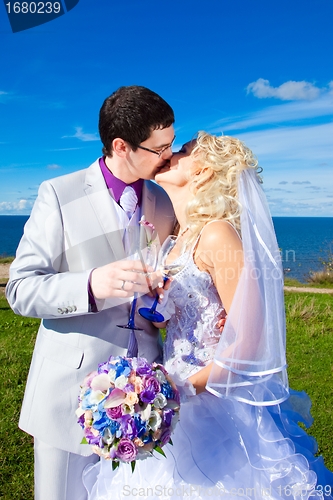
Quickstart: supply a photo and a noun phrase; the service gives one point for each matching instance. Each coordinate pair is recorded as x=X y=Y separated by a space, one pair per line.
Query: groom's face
x=146 y=164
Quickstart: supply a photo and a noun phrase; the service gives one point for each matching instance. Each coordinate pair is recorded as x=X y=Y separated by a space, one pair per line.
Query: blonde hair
x=217 y=164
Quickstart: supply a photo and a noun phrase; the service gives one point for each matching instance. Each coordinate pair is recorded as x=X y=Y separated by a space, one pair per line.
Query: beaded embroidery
x=192 y=335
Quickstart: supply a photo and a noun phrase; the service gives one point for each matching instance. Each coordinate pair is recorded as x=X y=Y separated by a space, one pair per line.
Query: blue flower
x=166 y=390
x=123 y=368
x=100 y=420
x=140 y=425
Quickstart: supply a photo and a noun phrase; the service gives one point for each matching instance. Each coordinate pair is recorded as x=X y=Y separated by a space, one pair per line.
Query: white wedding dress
x=222 y=448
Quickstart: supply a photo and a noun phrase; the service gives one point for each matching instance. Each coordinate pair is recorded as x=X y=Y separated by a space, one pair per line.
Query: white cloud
x=282 y=113
x=20 y=206
x=3 y=96
x=82 y=136
x=288 y=91
x=308 y=144
x=301 y=182
x=53 y=166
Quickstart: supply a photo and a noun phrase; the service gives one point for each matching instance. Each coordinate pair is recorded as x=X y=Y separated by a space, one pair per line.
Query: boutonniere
x=150 y=230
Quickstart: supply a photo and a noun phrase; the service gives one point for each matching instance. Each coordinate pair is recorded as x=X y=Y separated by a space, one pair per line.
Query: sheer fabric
x=250 y=363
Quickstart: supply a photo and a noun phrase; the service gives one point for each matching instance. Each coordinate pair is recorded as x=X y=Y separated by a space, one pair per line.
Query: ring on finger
x=123 y=285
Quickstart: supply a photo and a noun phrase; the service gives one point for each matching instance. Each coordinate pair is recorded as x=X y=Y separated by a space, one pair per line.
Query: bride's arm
x=220 y=253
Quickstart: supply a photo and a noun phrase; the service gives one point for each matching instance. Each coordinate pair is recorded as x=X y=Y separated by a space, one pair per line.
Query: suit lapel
x=103 y=205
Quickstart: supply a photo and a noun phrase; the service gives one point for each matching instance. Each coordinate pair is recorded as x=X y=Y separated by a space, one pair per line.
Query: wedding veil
x=250 y=363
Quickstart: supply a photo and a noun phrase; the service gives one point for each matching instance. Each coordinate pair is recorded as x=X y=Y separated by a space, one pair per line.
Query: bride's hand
x=221 y=322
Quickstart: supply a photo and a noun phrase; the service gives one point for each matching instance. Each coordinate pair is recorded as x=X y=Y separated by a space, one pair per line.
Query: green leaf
x=159 y=450
x=84 y=441
x=115 y=465
x=133 y=465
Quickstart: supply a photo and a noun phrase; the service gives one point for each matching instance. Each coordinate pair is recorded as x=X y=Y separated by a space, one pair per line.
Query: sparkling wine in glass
x=168 y=270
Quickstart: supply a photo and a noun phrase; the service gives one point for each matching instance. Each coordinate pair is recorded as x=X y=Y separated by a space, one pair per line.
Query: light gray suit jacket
x=73 y=228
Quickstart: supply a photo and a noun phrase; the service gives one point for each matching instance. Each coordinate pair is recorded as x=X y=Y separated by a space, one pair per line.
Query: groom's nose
x=167 y=154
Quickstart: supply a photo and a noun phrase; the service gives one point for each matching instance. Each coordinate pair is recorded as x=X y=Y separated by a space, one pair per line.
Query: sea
x=304 y=242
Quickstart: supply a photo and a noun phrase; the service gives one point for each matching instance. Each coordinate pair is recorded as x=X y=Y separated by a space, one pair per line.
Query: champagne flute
x=168 y=270
x=148 y=257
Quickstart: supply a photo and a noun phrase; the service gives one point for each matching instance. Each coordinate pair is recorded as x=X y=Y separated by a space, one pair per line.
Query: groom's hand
x=119 y=279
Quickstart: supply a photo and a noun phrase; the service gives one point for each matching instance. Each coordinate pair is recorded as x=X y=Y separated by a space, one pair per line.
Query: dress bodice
x=192 y=332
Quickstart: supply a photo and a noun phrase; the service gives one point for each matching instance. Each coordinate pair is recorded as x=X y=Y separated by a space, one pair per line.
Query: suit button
x=70 y=309
x=60 y=311
x=74 y=308
x=65 y=310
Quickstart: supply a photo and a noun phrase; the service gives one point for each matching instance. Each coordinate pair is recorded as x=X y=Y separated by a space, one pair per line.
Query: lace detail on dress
x=192 y=334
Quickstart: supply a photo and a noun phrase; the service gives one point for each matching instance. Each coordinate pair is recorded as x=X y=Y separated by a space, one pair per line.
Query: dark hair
x=132 y=113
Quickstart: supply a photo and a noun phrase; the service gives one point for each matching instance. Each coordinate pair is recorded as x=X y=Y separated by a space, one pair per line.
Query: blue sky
x=260 y=70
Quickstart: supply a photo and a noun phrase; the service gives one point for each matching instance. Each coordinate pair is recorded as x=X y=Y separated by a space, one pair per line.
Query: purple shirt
x=117 y=187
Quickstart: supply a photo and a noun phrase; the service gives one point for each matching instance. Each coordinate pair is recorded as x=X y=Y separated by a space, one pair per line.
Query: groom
x=70 y=272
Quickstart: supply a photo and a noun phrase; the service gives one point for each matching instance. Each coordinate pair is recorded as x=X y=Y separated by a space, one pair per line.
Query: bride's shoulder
x=216 y=237
x=219 y=232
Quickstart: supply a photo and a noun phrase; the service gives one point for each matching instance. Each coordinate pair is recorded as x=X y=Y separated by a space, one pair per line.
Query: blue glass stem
x=153 y=307
x=131 y=323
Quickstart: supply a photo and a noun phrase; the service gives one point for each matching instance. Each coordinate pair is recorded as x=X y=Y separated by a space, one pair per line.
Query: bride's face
x=177 y=174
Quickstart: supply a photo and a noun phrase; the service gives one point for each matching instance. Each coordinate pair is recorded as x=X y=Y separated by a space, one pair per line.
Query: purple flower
x=81 y=420
x=91 y=438
x=126 y=450
x=103 y=367
x=152 y=384
x=167 y=417
x=151 y=388
x=114 y=413
x=165 y=436
x=128 y=388
x=128 y=427
x=147 y=396
x=143 y=367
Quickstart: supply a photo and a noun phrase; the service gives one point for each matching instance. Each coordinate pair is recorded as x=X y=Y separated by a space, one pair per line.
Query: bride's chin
x=159 y=177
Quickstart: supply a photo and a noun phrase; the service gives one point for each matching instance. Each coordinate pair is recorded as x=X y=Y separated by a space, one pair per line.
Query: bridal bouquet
x=127 y=409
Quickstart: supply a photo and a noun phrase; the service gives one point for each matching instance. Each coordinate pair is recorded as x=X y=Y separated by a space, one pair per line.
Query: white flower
x=154 y=421
x=120 y=382
x=160 y=401
x=95 y=397
x=108 y=437
x=145 y=413
x=160 y=376
x=100 y=382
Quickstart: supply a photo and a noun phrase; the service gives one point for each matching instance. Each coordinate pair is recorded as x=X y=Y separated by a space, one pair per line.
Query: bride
x=238 y=434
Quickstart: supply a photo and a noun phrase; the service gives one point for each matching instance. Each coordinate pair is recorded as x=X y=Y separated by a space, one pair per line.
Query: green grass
x=309 y=284
x=17 y=336
x=310 y=362
x=6 y=260
x=309 y=354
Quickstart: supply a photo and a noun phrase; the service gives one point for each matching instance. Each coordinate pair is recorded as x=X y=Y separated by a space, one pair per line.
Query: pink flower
x=114 y=412
x=151 y=232
x=126 y=450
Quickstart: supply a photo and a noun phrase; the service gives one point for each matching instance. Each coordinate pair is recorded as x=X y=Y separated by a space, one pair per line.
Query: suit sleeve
x=37 y=286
